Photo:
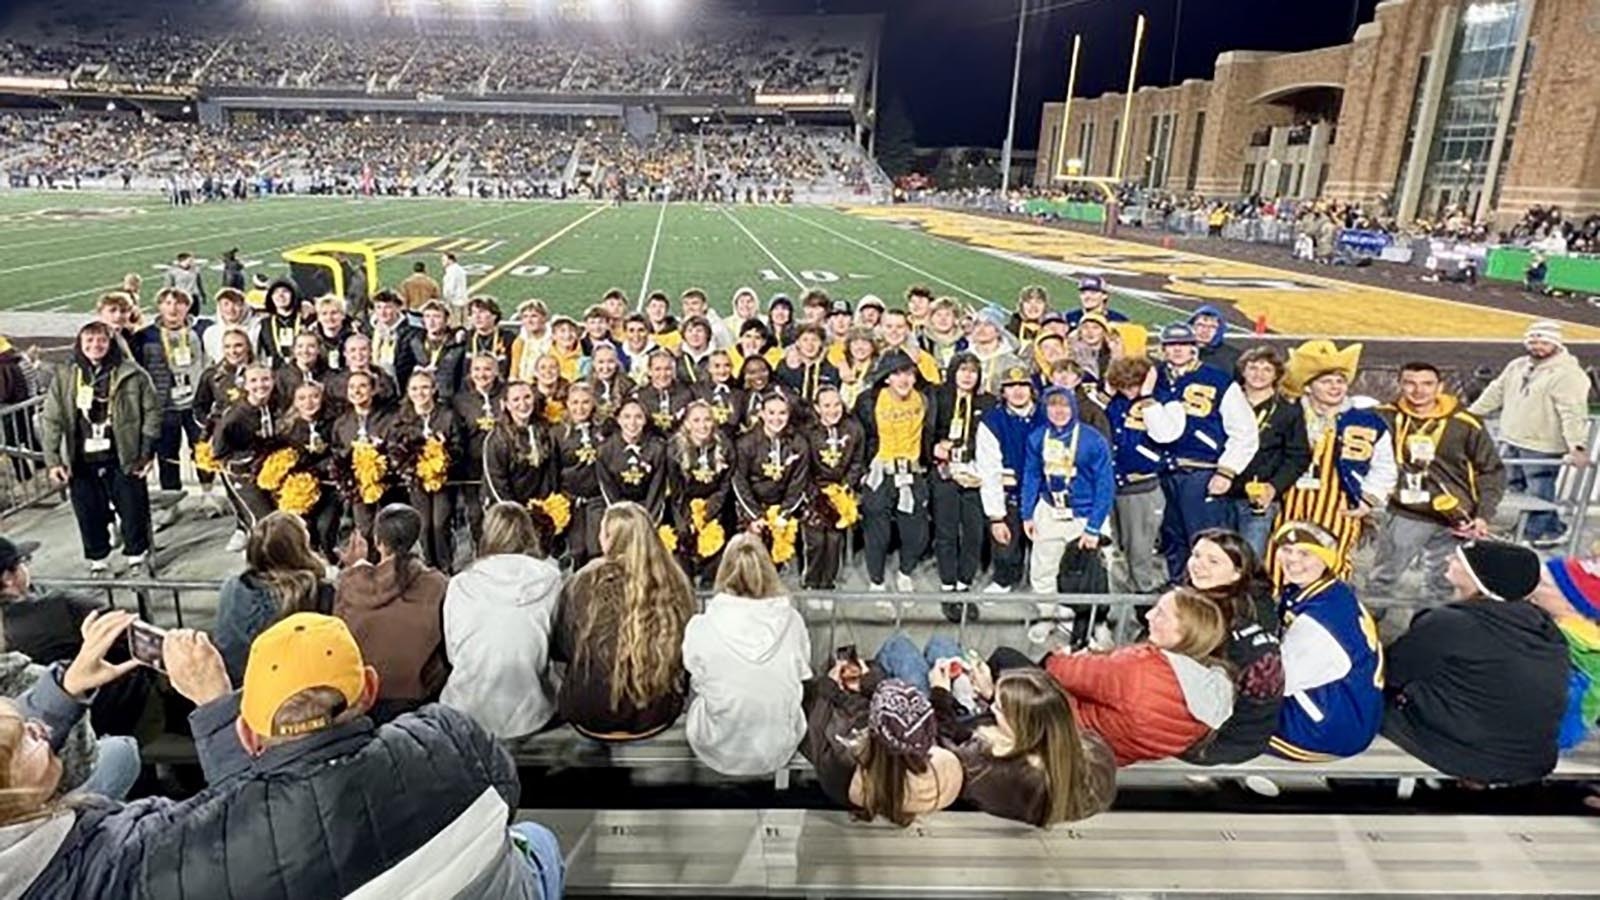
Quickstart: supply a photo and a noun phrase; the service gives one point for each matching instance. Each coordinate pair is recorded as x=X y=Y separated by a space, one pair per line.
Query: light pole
x=1011 y=120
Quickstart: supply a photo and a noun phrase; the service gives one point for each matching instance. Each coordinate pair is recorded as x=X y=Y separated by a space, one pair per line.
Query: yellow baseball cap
x=305 y=650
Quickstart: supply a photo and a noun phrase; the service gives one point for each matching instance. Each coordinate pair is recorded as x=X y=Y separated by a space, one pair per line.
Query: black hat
x=1501 y=570
x=892 y=362
x=840 y=307
x=14 y=553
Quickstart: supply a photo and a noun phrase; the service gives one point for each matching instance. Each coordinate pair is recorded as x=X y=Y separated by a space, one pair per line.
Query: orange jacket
x=1146 y=703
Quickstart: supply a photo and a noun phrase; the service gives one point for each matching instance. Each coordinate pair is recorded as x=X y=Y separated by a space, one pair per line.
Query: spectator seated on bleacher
x=499 y=613
x=1157 y=698
x=1476 y=688
x=1570 y=592
x=747 y=656
x=619 y=630
x=1223 y=566
x=1024 y=758
x=873 y=743
x=1332 y=663
x=303 y=797
x=283 y=575
x=394 y=609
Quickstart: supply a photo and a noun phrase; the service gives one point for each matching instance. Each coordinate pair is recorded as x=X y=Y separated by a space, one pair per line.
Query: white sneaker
x=903 y=583
x=98 y=569
x=947 y=589
x=165 y=518
x=136 y=563
x=215 y=506
x=237 y=541
x=1103 y=640
x=1261 y=784
x=994 y=587
x=876 y=588
x=825 y=606
x=962 y=587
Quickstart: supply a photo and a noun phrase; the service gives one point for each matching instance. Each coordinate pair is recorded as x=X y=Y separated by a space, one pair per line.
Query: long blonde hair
x=509 y=528
x=16 y=804
x=647 y=617
x=1205 y=625
x=1043 y=727
x=747 y=570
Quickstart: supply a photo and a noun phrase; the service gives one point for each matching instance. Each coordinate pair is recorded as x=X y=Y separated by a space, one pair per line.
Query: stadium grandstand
x=532 y=448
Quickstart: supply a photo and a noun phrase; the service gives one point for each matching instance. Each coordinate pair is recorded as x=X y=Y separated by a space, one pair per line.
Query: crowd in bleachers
x=715 y=59
x=503 y=157
x=410 y=475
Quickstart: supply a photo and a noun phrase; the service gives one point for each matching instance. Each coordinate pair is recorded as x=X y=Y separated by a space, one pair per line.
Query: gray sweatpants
x=1401 y=541
x=1137 y=524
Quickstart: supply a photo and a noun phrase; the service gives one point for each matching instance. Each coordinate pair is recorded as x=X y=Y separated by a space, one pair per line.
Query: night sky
x=951 y=59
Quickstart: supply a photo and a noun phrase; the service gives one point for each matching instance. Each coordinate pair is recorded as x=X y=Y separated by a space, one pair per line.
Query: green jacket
x=135 y=417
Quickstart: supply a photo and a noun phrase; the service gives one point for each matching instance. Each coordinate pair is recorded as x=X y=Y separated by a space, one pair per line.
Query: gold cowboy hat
x=1313 y=359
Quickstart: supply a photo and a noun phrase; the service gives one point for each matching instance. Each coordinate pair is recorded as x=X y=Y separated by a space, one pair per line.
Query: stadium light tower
x=1011 y=119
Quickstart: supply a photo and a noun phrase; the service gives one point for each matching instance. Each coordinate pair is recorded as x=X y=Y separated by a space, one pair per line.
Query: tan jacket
x=1543 y=405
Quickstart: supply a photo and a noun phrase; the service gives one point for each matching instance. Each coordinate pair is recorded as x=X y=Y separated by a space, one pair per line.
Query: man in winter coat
x=305 y=793
x=1543 y=401
x=1477 y=688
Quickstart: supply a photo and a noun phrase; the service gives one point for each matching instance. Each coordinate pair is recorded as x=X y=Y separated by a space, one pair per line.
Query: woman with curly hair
x=619 y=629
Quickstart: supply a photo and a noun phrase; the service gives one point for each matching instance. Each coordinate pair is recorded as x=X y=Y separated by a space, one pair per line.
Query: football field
x=60 y=251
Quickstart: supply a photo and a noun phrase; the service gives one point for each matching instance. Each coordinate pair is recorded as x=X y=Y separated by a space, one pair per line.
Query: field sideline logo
x=76 y=214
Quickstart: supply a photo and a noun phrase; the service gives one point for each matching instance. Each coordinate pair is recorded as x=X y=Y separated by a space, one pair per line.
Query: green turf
x=53 y=263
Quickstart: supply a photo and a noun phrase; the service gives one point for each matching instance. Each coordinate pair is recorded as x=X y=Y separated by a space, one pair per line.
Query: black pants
x=1008 y=557
x=98 y=488
x=472 y=501
x=437 y=509
x=824 y=553
x=959 y=531
x=249 y=502
x=176 y=424
x=583 y=532
x=1082 y=572
x=882 y=518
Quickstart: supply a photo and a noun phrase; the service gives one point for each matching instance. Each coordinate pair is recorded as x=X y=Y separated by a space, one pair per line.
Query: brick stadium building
x=1489 y=105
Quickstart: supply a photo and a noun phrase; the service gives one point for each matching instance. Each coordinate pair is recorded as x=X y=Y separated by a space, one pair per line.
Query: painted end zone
x=1295 y=304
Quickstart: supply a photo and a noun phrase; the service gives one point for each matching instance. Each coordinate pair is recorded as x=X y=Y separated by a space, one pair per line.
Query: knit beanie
x=1544 y=330
x=902 y=718
x=1501 y=570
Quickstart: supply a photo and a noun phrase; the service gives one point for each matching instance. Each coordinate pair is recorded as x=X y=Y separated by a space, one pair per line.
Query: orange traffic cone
x=1261 y=324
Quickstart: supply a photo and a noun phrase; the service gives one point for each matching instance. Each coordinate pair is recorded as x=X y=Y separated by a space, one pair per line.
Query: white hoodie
x=498 y=616
x=746 y=659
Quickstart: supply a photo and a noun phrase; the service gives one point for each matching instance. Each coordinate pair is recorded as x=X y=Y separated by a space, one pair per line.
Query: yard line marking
x=650 y=262
x=523 y=257
x=763 y=247
x=174 y=243
x=893 y=259
x=404 y=220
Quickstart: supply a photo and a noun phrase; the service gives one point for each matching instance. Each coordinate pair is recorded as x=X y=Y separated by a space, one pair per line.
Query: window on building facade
x=1194 y=150
x=1479 y=75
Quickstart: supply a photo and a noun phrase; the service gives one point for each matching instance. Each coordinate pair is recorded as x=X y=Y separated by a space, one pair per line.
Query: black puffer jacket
x=322 y=816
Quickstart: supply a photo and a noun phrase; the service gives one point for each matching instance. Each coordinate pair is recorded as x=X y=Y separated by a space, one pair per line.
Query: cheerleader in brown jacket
x=699 y=467
x=577 y=445
x=837 y=447
x=517 y=457
x=477 y=409
x=308 y=428
x=723 y=393
x=663 y=398
x=772 y=466
x=423 y=418
x=549 y=390
x=611 y=386
x=632 y=464
x=362 y=422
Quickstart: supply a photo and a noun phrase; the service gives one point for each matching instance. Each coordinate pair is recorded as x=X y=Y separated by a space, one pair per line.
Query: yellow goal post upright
x=1071 y=171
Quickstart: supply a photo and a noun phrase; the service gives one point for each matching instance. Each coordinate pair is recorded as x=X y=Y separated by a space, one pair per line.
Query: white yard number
x=531 y=271
x=476 y=269
x=813 y=276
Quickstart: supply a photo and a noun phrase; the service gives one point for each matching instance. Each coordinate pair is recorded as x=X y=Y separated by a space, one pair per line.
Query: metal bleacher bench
x=818 y=854
x=564 y=748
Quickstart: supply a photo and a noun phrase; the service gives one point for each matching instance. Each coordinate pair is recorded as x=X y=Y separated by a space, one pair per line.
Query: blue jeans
x=1540 y=481
x=1189 y=510
x=1255 y=529
x=543 y=854
x=899 y=658
x=116 y=768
